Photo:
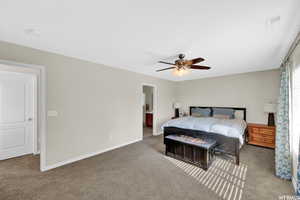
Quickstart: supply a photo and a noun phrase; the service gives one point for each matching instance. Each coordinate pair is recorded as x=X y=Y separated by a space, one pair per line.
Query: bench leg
x=237 y=152
x=166 y=149
x=237 y=159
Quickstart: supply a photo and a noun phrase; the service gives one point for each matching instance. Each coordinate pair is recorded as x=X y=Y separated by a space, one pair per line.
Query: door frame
x=154 y=106
x=40 y=74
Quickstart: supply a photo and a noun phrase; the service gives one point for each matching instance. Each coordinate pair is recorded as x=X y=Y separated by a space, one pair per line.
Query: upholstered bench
x=197 y=151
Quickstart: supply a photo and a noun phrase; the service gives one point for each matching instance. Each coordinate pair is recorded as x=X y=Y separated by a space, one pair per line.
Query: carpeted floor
x=135 y=172
x=224 y=177
x=147 y=132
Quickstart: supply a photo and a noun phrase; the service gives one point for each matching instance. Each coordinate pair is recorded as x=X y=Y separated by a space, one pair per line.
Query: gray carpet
x=224 y=177
x=135 y=172
x=147 y=132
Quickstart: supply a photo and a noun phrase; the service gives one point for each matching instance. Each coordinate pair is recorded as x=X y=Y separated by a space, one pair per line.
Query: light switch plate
x=52 y=113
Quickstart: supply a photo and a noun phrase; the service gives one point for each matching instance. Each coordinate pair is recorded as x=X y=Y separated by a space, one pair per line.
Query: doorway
x=148 y=110
x=23 y=116
x=18 y=108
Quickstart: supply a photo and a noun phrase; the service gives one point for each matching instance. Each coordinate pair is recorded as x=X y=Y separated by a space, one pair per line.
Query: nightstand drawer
x=262 y=131
x=260 y=138
x=254 y=130
x=266 y=131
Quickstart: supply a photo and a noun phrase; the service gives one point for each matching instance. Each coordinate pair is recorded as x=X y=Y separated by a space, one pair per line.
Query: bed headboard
x=211 y=108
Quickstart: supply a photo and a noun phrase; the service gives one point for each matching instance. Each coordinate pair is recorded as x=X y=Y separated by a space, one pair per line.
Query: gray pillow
x=224 y=111
x=201 y=112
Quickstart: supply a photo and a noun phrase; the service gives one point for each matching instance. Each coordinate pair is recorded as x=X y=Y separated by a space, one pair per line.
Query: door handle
x=29 y=119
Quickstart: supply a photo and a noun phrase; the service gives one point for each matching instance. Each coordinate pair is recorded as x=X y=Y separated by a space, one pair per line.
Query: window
x=295 y=109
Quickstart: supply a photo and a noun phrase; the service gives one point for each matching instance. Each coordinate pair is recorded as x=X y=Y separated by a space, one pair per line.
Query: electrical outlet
x=52 y=113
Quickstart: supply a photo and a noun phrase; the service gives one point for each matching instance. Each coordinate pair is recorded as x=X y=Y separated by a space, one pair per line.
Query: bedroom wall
x=98 y=107
x=250 y=90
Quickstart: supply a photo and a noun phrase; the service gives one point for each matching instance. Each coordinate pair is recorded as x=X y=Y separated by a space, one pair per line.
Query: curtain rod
x=291 y=50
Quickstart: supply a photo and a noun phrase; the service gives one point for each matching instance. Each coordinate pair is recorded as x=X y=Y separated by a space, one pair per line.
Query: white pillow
x=219 y=116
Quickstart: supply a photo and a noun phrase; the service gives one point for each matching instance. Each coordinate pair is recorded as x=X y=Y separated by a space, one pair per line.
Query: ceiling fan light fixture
x=180 y=72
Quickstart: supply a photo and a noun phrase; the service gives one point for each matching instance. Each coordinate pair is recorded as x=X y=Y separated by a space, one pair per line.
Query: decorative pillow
x=201 y=112
x=219 y=116
x=239 y=114
x=196 y=114
x=224 y=111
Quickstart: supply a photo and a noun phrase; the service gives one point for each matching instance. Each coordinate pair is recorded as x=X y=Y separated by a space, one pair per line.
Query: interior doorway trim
x=41 y=77
x=154 y=106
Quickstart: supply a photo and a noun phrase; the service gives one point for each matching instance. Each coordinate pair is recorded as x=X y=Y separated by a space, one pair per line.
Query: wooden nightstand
x=261 y=135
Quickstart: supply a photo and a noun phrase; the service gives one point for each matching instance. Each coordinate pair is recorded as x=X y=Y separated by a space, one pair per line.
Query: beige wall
x=99 y=107
x=250 y=90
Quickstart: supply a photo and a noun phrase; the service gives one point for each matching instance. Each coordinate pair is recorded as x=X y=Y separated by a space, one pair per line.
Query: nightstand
x=261 y=135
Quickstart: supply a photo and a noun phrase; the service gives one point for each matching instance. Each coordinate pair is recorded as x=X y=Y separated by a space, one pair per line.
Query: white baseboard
x=294 y=183
x=36 y=153
x=59 y=164
x=156 y=134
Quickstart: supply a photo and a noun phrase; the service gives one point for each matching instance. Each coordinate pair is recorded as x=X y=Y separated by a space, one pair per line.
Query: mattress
x=229 y=127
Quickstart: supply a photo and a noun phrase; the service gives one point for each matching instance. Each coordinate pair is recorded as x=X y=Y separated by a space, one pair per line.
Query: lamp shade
x=270 y=108
x=177 y=105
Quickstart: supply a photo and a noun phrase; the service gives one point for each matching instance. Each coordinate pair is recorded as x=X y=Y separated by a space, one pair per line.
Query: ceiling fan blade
x=165 y=69
x=199 y=67
x=166 y=63
x=197 y=60
x=194 y=61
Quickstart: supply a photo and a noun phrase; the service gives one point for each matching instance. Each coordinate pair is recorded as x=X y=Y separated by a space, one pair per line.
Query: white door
x=16 y=115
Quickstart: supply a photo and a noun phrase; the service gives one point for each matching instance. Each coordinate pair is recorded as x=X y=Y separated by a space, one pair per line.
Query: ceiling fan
x=182 y=66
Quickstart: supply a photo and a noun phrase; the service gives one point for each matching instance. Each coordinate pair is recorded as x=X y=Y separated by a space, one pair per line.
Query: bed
x=229 y=133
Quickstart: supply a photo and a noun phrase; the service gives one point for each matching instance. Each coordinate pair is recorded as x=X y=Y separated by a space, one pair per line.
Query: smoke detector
x=273 y=20
x=273 y=23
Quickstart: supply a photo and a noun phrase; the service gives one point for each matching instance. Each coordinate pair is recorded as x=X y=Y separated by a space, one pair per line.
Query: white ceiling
x=234 y=36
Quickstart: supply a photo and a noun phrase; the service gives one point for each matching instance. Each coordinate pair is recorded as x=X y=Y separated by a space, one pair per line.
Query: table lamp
x=271 y=109
x=177 y=105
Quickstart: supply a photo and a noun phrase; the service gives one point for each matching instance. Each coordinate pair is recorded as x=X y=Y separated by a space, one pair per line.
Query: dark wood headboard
x=211 y=108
